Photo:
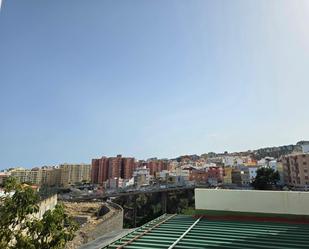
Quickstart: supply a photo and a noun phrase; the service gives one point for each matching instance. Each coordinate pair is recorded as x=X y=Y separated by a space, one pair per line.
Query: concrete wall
x=93 y=229
x=46 y=204
x=112 y=221
x=277 y=202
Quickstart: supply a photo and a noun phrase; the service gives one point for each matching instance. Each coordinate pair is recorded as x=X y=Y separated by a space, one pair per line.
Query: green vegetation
x=275 y=152
x=266 y=178
x=19 y=228
x=141 y=208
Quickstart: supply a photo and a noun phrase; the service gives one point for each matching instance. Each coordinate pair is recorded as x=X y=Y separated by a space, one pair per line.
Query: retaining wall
x=112 y=221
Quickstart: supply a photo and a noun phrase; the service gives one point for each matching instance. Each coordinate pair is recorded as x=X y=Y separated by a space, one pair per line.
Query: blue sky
x=81 y=79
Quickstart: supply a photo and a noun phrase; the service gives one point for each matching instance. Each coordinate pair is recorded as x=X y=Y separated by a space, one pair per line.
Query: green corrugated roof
x=182 y=231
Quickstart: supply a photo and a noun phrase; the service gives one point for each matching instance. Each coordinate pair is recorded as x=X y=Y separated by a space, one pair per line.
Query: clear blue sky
x=80 y=79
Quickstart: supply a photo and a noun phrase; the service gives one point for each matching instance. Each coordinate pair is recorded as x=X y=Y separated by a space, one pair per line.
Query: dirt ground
x=89 y=210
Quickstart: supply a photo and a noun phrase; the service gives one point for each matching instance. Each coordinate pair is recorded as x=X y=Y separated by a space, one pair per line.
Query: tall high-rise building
x=95 y=170
x=99 y=170
x=155 y=166
x=107 y=168
x=127 y=167
x=114 y=167
x=103 y=170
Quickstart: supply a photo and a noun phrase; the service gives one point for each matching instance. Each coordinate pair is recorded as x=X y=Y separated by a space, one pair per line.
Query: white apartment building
x=141 y=176
x=252 y=172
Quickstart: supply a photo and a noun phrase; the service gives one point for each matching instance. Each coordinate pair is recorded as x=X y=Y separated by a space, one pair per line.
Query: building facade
x=240 y=176
x=128 y=166
x=21 y=174
x=106 y=168
x=252 y=172
x=199 y=176
x=156 y=166
x=3 y=177
x=141 y=176
x=51 y=176
x=296 y=169
x=74 y=173
x=227 y=177
x=114 y=167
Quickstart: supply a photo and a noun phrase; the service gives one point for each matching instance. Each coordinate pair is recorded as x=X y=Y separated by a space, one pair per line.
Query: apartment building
x=184 y=172
x=296 y=169
x=156 y=166
x=21 y=174
x=241 y=176
x=100 y=170
x=114 y=167
x=74 y=173
x=51 y=176
x=63 y=175
x=106 y=168
x=141 y=176
x=215 y=174
x=35 y=176
x=95 y=170
x=227 y=175
x=199 y=176
x=127 y=167
x=252 y=172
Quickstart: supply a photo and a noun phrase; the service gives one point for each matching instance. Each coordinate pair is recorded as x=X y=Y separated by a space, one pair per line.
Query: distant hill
x=275 y=151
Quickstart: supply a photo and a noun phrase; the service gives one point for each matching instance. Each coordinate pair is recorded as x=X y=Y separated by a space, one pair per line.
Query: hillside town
x=154 y=124
x=224 y=170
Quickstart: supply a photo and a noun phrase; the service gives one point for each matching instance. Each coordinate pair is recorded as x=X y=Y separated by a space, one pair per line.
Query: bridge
x=137 y=192
x=163 y=195
x=104 y=197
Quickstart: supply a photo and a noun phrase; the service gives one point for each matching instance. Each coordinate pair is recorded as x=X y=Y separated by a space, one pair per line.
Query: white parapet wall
x=276 y=202
x=46 y=204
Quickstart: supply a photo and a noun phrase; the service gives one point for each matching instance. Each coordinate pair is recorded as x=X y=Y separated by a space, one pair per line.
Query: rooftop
x=181 y=231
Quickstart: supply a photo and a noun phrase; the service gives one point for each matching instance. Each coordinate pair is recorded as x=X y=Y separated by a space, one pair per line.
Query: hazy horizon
x=81 y=79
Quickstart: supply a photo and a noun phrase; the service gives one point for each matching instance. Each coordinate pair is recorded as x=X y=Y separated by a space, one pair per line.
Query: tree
x=265 y=178
x=19 y=226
